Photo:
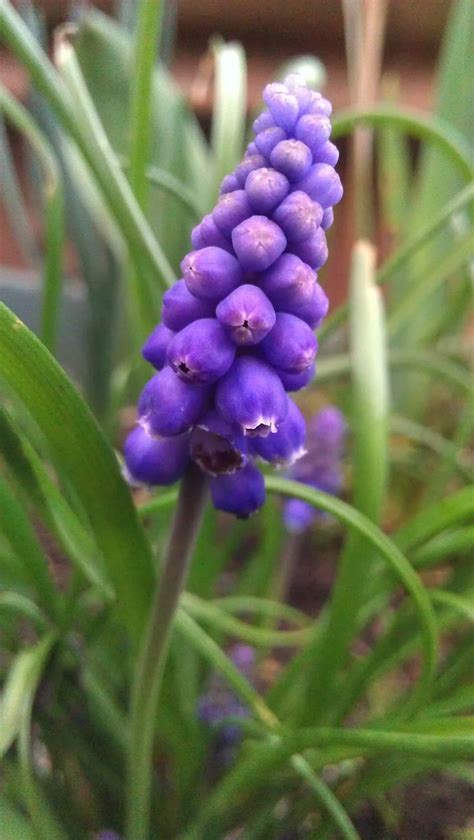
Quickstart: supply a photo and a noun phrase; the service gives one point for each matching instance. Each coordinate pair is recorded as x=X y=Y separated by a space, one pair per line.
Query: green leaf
x=13 y=823
x=86 y=459
x=230 y=107
x=457 y=508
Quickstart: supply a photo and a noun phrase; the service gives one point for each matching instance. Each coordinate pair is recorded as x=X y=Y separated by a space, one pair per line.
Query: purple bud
x=329 y=153
x=242 y=493
x=207 y=233
x=201 y=352
x=229 y=184
x=298 y=515
x=251 y=395
x=296 y=85
x=312 y=310
x=267 y=140
x=258 y=242
x=291 y=345
x=298 y=216
x=313 y=250
x=154 y=349
x=216 y=446
x=322 y=183
x=108 y=834
x=247 y=314
x=249 y=163
x=313 y=130
x=180 y=307
x=327 y=430
x=243 y=657
x=319 y=105
x=287 y=444
x=151 y=460
x=168 y=406
x=328 y=218
x=282 y=105
x=230 y=210
x=288 y=281
x=265 y=120
x=265 y=189
x=211 y=273
x=297 y=381
x=251 y=149
x=291 y=157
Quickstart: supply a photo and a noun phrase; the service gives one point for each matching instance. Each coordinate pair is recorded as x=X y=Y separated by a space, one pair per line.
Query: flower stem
x=152 y=656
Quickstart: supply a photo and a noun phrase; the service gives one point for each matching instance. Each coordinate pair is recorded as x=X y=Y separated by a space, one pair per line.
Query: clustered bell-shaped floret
x=236 y=334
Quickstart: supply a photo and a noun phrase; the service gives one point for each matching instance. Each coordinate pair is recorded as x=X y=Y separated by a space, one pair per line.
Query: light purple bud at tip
x=217 y=447
x=180 y=307
x=263 y=121
x=211 y=273
x=258 y=242
x=289 y=281
x=267 y=140
x=322 y=183
x=313 y=250
x=287 y=444
x=319 y=105
x=209 y=234
x=230 y=210
x=247 y=315
x=282 y=105
x=296 y=85
x=328 y=218
x=152 y=461
x=154 y=349
x=291 y=157
x=251 y=395
x=229 y=184
x=298 y=515
x=249 y=163
x=168 y=406
x=297 y=381
x=242 y=493
x=313 y=310
x=265 y=189
x=298 y=216
x=328 y=153
x=291 y=345
x=251 y=149
x=201 y=352
x=313 y=130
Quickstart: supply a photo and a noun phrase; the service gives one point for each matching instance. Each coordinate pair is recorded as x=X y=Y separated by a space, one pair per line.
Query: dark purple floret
x=156 y=345
x=297 y=381
x=231 y=209
x=247 y=314
x=151 y=460
x=298 y=216
x=265 y=189
x=180 y=307
x=242 y=493
x=211 y=273
x=287 y=445
x=202 y=352
x=258 y=242
x=216 y=446
x=291 y=345
x=207 y=233
x=251 y=395
x=168 y=406
x=312 y=310
x=313 y=250
x=322 y=183
x=288 y=282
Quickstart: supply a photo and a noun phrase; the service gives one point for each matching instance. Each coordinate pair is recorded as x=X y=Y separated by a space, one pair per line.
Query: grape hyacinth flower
x=236 y=335
x=320 y=467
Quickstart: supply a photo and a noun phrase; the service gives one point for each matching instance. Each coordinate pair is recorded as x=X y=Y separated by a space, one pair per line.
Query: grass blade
x=230 y=107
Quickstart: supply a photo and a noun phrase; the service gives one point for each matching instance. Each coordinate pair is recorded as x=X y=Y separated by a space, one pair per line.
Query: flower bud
x=251 y=396
x=291 y=345
x=258 y=242
x=207 y=233
x=151 y=460
x=328 y=153
x=297 y=381
x=217 y=447
x=291 y=157
x=298 y=515
x=312 y=310
x=265 y=189
x=180 y=307
x=248 y=165
x=155 y=347
x=247 y=314
x=313 y=131
x=298 y=216
x=242 y=493
x=319 y=105
x=282 y=105
x=231 y=209
x=288 y=281
x=168 y=406
x=328 y=218
x=267 y=140
x=211 y=273
x=263 y=121
x=201 y=352
x=322 y=183
x=229 y=184
x=313 y=250
x=287 y=444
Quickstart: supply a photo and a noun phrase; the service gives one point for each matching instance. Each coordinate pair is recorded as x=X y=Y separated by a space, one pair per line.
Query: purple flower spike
x=292 y=158
x=168 y=406
x=153 y=461
x=207 y=233
x=180 y=307
x=217 y=447
x=247 y=314
x=242 y=493
x=231 y=209
x=287 y=444
x=288 y=282
x=328 y=218
x=258 y=242
x=267 y=140
x=298 y=216
x=312 y=310
x=322 y=183
x=297 y=381
x=265 y=189
x=291 y=345
x=329 y=153
x=282 y=105
x=251 y=395
x=211 y=273
x=313 y=250
x=313 y=130
x=229 y=184
x=202 y=352
x=154 y=349
x=248 y=165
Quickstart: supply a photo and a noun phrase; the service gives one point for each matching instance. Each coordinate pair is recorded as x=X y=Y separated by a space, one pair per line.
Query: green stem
x=151 y=660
